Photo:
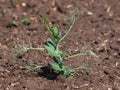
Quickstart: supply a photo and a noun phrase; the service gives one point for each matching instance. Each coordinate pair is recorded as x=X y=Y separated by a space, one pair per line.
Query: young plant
x=26 y=21
x=52 y=47
x=14 y=23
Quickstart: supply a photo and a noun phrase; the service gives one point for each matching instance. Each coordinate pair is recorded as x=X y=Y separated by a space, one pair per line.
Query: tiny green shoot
x=14 y=23
x=26 y=21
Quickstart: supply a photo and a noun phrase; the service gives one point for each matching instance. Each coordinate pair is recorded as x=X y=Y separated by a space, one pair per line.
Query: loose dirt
x=97 y=28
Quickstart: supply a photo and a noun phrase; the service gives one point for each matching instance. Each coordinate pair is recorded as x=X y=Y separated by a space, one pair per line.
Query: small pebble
x=24 y=4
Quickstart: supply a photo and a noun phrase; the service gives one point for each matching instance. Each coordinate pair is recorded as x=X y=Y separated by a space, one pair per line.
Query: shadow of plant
x=48 y=73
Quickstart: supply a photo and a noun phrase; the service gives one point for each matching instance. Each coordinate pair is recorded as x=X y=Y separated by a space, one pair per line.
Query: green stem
x=81 y=67
x=48 y=28
x=46 y=23
x=70 y=28
x=79 y=54
x=35 y=48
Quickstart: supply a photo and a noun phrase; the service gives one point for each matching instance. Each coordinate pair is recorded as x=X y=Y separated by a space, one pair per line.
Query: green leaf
x=26 y=21
x=52 y=52
x=14 y=23
x=55 y=31
x=51 y=44
x=63 y=56
x=68 y=72
x=60 y=52
x=56 y=67
x=56 y=60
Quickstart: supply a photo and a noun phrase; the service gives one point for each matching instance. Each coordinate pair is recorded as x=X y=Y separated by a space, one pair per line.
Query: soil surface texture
x=97 y=28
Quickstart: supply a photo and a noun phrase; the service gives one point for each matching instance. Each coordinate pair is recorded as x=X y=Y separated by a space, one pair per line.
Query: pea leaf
x=26 y=21
x=14 y=23
x=57 y=67
x=56 y=60
x=51 y=44
x=52 y=52
x=62 y=59
x=68 y=72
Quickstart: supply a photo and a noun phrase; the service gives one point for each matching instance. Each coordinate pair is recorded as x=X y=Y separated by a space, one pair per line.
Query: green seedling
x=52 y=47
x=14 y=23
x=26 y=21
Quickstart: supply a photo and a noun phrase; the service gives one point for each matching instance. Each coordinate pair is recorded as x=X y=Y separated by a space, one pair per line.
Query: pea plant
x=52 y=47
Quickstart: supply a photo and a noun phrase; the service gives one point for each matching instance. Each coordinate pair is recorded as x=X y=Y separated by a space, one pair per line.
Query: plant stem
x=32 y=67
x=79 y=54
x=35 y=48
x=70 y=28
x=81 y=67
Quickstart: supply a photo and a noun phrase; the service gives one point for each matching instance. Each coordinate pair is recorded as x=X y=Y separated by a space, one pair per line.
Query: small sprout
x=14 y=23
x=26 y=21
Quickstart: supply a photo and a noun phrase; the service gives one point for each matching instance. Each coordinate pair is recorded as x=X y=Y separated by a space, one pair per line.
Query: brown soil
x=98 y=27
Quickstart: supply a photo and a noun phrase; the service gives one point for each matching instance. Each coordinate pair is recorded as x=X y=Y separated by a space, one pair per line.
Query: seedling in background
x=26 y=21
x=14 y=23
x=52 y=47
